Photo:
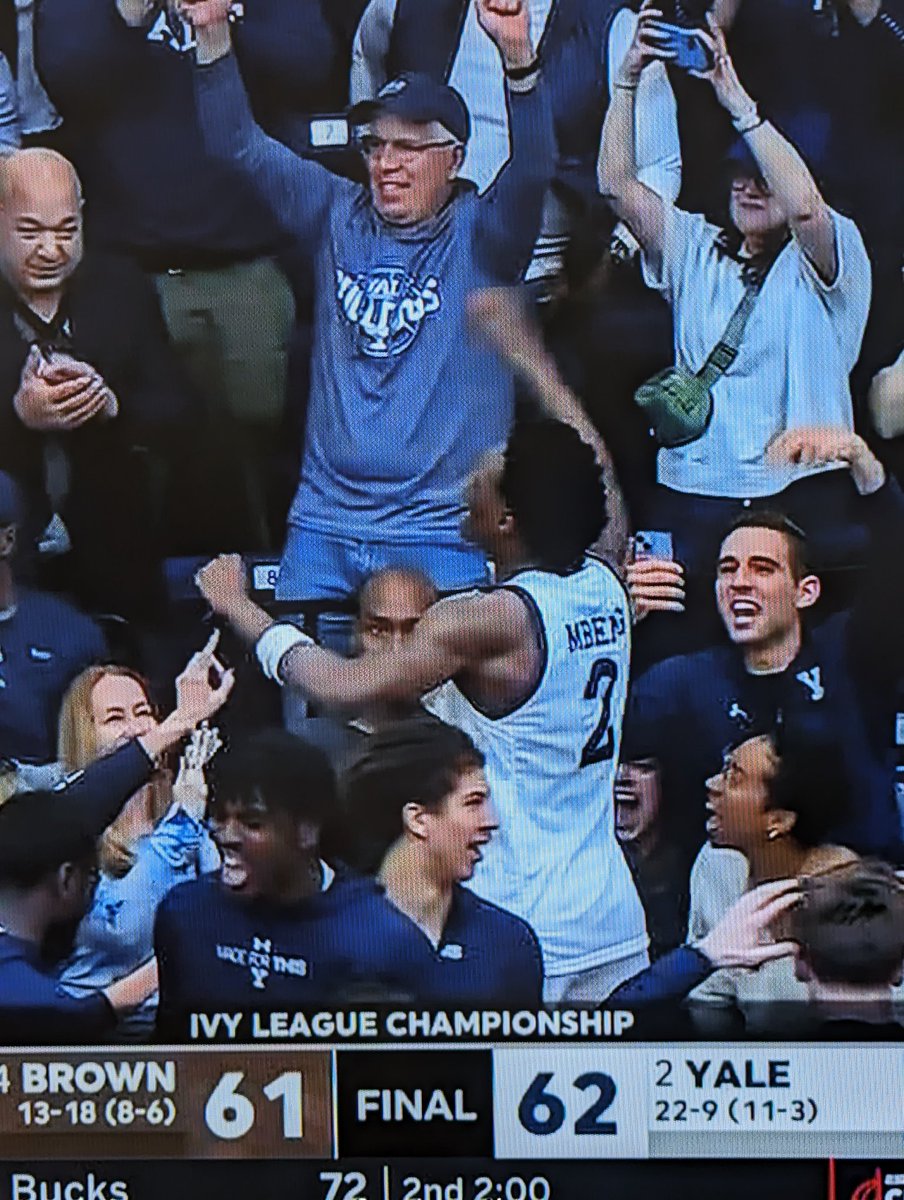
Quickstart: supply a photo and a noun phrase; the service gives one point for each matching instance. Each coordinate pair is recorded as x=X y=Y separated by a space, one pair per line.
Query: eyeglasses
x=743 y=183
x=406 y=151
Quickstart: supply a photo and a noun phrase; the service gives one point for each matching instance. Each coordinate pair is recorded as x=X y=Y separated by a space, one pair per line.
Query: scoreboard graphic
x=503 y=1103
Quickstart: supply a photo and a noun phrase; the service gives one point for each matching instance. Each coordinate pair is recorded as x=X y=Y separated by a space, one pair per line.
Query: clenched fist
x=222 y=583
x=507 y=23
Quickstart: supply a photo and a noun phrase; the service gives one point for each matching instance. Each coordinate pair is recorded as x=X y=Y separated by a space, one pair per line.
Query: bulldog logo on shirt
x=387 y=307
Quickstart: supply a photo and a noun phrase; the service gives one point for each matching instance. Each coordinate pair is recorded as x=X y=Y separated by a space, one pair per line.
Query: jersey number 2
x=600 y=746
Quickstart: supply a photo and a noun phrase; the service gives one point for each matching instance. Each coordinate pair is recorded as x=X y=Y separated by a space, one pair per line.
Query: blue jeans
x=317 y=566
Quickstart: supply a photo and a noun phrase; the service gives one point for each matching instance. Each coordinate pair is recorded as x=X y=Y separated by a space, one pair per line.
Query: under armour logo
x=812 y=681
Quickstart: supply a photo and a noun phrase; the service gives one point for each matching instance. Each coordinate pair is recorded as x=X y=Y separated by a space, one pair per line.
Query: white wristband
x=274 y=644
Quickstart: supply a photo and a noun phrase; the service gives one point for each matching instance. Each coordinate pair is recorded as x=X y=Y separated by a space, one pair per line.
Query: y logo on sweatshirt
x=387 y=307
x=812 y=681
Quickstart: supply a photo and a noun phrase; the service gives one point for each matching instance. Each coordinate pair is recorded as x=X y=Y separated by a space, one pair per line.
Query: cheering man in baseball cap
x=403 y=402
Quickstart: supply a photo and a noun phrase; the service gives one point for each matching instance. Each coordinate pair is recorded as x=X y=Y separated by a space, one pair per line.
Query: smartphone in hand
x=689 y=48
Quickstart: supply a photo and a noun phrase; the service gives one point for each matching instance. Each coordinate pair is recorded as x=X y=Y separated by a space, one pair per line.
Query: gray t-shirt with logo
x=404 y=397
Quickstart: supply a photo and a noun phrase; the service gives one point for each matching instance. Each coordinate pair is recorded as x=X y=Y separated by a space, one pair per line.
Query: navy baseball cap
x=415 y=97
x=10 y=501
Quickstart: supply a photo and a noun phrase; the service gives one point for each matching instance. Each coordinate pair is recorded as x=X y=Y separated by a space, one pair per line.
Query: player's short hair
x=39 y=832
x=798 y=554
x=555 y=489
x=415 y=761
x=850 y=927
x=279 y=770
x=812 y=782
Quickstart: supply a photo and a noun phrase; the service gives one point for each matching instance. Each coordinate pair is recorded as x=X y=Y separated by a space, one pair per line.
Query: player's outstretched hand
x=222 y=583
x=742 y=938
x=822 y=445
x=655 y=585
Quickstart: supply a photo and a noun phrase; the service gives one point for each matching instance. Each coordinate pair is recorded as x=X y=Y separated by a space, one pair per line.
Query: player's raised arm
x=500 y=316
x=453 y=635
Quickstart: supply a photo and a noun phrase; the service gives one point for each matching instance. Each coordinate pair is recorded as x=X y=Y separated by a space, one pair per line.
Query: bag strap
x=726 y=349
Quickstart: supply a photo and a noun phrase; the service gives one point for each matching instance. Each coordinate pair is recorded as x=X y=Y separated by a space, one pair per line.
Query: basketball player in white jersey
x=535 y=670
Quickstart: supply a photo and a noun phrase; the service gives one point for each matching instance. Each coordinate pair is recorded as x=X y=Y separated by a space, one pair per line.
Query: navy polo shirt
x=44 y=644
x=486 y=958
x=34 y=1011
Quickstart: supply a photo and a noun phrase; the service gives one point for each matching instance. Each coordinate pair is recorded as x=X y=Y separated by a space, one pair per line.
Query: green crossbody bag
x=678 y=404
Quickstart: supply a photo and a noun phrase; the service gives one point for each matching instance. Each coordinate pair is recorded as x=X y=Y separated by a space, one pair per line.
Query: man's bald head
x=40 y=222
x=25 y=170
x=390 y=605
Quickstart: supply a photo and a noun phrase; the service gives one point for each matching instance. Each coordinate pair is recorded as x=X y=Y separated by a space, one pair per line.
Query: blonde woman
x=156 y=842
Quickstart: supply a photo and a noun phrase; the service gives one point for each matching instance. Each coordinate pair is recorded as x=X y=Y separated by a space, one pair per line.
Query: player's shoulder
x=499 y=613
x=608 y=576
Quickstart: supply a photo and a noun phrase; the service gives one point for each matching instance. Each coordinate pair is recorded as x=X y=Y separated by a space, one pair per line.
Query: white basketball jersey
x=551 y=767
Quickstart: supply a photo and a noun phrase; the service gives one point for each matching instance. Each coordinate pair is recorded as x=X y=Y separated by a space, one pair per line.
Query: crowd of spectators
x=538 y=394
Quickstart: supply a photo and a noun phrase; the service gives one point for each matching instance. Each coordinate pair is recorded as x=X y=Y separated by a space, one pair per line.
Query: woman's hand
x=190 y=788
x=643 y=49
x=723 y=77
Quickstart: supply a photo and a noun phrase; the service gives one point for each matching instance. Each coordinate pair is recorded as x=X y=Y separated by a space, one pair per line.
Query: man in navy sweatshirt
x=120 y=73
x=403 y=400
x=836 y=680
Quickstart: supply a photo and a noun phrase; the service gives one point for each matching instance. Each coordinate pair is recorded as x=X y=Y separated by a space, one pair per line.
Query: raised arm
x=370 y=50
x=786 y=174
x=641 y=208
x=452 y=637
x=658 y=145
x=297 y=191
x=90 y=51
x=499 y=315
x=510 y=212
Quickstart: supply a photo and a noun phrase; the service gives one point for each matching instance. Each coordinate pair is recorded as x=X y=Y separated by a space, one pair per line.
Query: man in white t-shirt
x=802 y=338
